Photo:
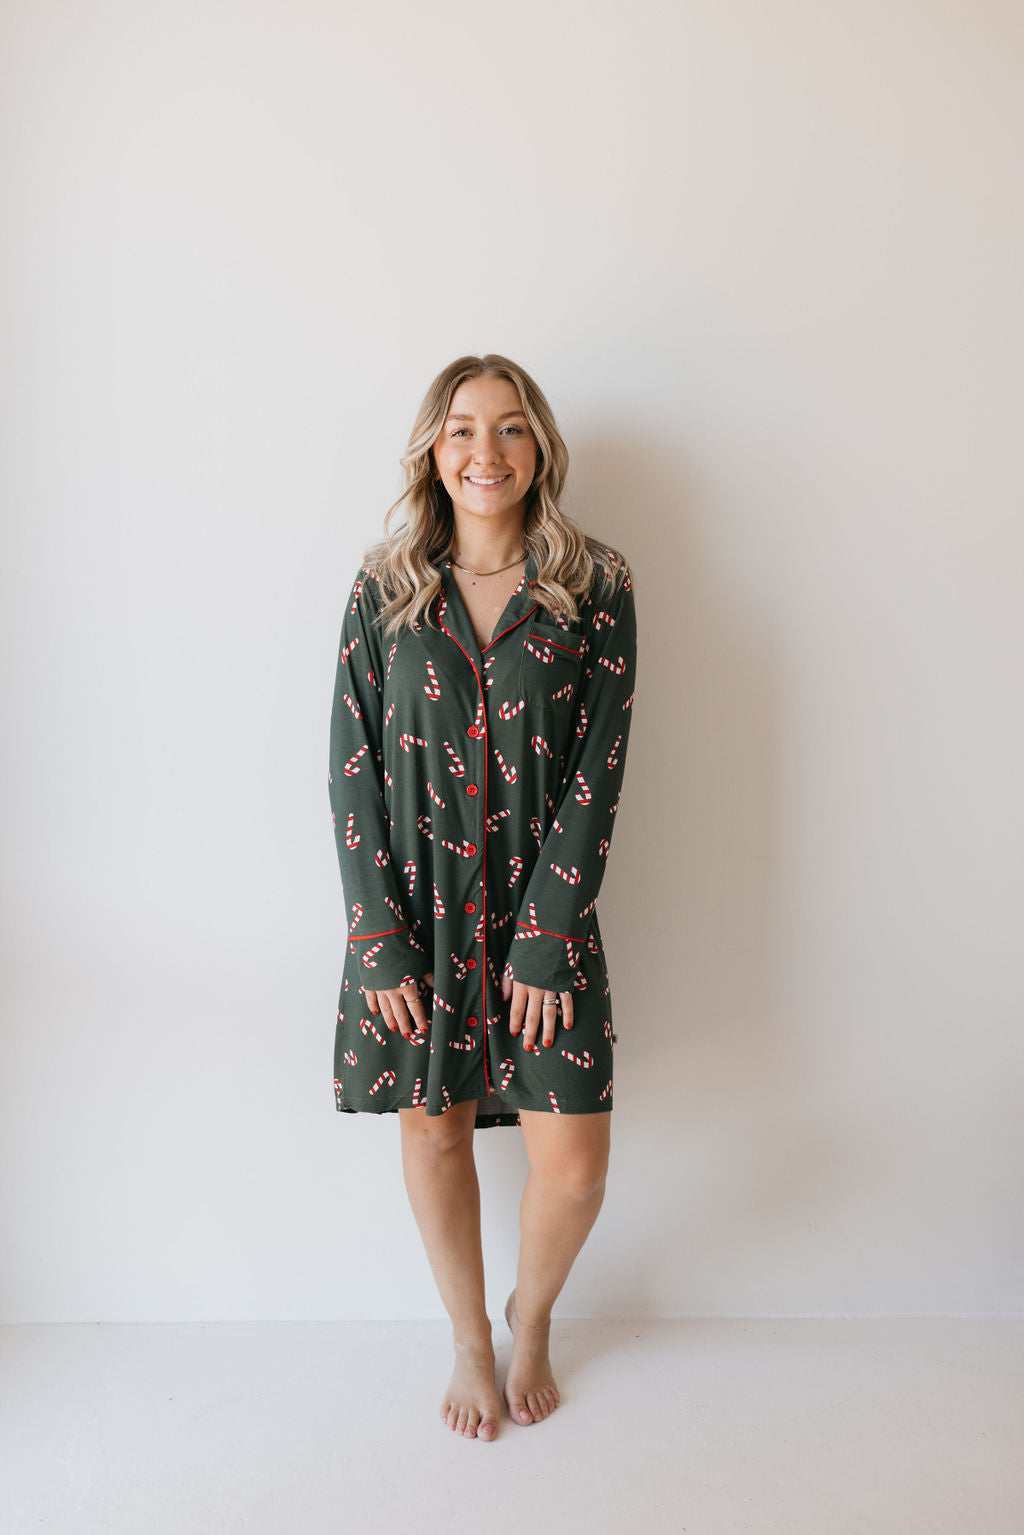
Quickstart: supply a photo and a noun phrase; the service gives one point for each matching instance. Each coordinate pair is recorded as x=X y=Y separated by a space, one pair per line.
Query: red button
x=472 y=731
x=472 y=788
x=470 y=906
x=472 y=1022
x=471 y=964
x=470 y=848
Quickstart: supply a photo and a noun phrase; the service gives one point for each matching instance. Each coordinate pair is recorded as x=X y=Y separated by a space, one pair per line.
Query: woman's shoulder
x=611 y=575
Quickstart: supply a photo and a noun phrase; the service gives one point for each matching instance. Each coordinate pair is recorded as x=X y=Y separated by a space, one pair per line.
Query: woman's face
x=486 y=452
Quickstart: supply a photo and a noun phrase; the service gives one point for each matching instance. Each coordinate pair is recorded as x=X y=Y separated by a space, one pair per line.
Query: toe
x=462 y=1420
x=488 y=1429
x=472 y=1423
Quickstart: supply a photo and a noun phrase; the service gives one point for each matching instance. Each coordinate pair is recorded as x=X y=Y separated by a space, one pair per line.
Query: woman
x=478 y=740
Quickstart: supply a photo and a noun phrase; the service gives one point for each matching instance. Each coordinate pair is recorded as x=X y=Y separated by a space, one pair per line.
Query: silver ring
x=550 y=1002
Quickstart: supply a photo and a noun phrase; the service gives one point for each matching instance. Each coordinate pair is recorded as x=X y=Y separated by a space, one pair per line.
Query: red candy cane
x=509 y=710
x=348 y=649
x=438 y=903
x=352 y=838
x=434 y=794
x=447 y=1099
x=410 y=873
x=586 y=1059
x=423 y=824
x=589 y=907
x=385 y=1076
x=357 y=912
x=508 y=1067
x=466 y=850
x=432 y=688
x=356 y=594
x=354 y=707
x=554 y=1103
x=508 y=772
x=603 y=846
x=581 y=728
x=351 y=1059
x=366 y=1027
x=540 y=745
x=492 y=820
x=405 y=740
x=613 y=760
x=602 y=1095
x=565 y=692
x=603 y=617
x=516 y=865
x=618 y=666
x=467 y=1042
x=536 y=829
x=457 y=767
x=380 y=858
x=391 y=657
x=350 y=766
x=586 y=796
x=418 y=1096
x=387 y=717
x=368 y=959
x=571 y=875
x=460 y=968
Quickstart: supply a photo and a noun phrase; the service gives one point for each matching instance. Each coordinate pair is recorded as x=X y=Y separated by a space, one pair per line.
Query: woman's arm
x=562 y=891
x=379 y=931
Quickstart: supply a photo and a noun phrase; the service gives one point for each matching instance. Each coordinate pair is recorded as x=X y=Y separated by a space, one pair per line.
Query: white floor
x=695 y=1427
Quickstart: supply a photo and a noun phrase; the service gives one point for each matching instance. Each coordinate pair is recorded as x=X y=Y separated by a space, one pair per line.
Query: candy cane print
x=478 y=718
x=602 y=847
x=508 y=772
x=337 y=1092
x=492 y=820
x=603 y=617
x=449 y=1007
x=391 y=657
x=592 y=944
x=348 y=649
x=617 y=666
x=540 y=745
x=554 y=1103
x=581 y=728
x=589 y=907
x=434 y=795
x=556 y=825
x=608 y=1030
x=447 y=1099
x=581 y=983
x=460 y=968
x=565 y=692
x=405 y=740
x=353 y=706
x=423 y=825
x=516 y=865
x=432 y=688
x=508 y=1067
x=385 y=1076
x=351 y=1059
x=586 y=1059
x=417 y=1098
x=586 y=796
x=401 y=916
x=381 y=857
x=543 y=653
x=466 y=850
x=410 y=873
x=629 y=702
x=357 y=592
x=603 y=1095
x=509 y=710
x=368 y=959
x=371 y=679
x=352 y=838
x=367 y=1027
x=571 y=875
x=535 y=828
x=498 y=922
x=478 y=931
x=350 y=766
x=466 y=1043
x=457 y=767
x=357 y=912
x=613 y=760
x=388 y=779
x=387 y=717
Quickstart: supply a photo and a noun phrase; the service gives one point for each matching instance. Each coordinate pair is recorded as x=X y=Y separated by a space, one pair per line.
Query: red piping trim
x=500 y=636
x=547 y=932
x=543 y=639
x=361 y=937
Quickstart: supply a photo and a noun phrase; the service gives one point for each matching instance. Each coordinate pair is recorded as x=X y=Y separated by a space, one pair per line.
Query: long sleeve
x=379 y=930
x=563 y=888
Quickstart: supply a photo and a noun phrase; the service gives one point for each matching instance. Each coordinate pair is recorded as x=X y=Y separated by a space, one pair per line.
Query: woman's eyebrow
x=455 y=416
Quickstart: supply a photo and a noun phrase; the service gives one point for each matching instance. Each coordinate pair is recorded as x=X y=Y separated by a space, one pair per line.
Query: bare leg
x=440 y=1177
x=563 y=1194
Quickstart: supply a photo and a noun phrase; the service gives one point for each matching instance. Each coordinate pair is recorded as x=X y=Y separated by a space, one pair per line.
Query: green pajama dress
x=473 y=794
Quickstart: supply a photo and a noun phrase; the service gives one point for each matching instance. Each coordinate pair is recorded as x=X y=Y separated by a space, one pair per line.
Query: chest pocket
x=551 y=666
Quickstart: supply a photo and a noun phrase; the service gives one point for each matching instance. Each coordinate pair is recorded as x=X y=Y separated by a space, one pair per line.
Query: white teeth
x=495 y=480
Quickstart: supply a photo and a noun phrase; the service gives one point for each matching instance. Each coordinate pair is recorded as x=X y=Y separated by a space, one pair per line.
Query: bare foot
x=471 y=1405
x=529 y=1389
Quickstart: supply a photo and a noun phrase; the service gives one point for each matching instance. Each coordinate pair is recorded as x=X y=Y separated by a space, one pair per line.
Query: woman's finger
x=534 y=1017
x=520 y=994
x=567 y=1014
x=371 y=1000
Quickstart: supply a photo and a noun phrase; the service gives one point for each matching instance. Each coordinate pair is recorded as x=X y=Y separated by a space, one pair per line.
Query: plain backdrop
x=764 y=258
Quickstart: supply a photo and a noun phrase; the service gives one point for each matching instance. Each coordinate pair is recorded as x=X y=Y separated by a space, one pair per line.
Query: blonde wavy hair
x=406 y=563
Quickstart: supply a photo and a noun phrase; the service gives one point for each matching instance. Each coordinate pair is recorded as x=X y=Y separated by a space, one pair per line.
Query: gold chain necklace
x=497 y=572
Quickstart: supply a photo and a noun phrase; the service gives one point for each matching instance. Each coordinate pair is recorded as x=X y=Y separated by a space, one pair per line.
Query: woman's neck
x=489 y=546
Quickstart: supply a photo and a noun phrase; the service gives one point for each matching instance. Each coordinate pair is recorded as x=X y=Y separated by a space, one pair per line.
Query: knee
x=436 y=1135
x=580 y=1178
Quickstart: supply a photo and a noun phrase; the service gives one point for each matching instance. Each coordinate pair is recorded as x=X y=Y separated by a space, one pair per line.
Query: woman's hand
x=401 y=1007
x=529 y=1014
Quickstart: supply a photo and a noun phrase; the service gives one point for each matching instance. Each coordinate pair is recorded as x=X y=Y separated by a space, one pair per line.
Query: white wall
x=765 y=260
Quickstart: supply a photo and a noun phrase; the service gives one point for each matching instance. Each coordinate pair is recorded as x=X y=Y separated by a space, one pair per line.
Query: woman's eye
x=517 y=430
x=458 y=430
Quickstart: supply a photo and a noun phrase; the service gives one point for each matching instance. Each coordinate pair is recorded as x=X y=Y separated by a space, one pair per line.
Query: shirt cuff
x=389 y=959
x=543 y=959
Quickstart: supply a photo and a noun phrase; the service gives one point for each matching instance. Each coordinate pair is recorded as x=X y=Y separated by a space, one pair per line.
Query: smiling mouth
x=488 y=480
